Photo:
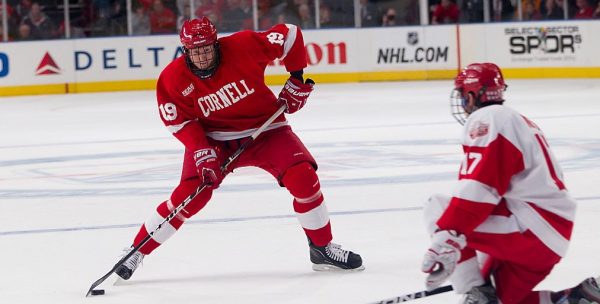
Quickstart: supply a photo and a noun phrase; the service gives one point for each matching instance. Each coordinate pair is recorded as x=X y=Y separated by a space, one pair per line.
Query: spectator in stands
x=536 y=3
x=162 y=19
x=186 y=14
x=530 y=12
x=24 y=32
x=585 y=10
x=472 y=11
x=41 y=26
x=287 y=12
x=389 y=17
x=147 y=4
x=445 y=12
x=117 y=18
x=140 y=21
x=306 y=17
x=209 y=9
x=342 y=12
x=325 y=20
x=234 y=17
x=328 y=18
x=74 y=31
x=553 y=11
x=368 y=13
x=411 y=13
x=22 y=8
x=266 y=19
x=102 y=8
x=503 y=10
x=596 y=14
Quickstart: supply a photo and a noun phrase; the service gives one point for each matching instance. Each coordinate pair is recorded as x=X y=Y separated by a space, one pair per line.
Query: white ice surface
x=79 y=173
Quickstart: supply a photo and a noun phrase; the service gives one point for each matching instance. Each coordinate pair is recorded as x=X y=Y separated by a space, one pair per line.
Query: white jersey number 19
x=168 y=111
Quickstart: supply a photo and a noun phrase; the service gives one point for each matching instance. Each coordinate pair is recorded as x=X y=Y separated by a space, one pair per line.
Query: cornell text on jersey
x=226 y=96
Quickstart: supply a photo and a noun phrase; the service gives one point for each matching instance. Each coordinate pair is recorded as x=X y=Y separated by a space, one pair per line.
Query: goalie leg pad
x=302 y=182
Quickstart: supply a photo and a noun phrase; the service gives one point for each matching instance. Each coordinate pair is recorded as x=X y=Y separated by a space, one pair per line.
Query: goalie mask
x=484 y=82
x=200 y=46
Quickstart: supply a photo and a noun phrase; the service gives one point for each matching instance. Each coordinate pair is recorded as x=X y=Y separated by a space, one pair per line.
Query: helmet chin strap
x=203 y=73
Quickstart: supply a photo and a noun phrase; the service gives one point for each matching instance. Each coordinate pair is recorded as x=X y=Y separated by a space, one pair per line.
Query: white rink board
x=140 y=58
x=341 y=51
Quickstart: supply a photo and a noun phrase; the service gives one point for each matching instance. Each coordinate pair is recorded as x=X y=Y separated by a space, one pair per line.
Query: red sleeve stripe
x=476 y=191
x=464 y=216
x=290 y=40
x=543 y=145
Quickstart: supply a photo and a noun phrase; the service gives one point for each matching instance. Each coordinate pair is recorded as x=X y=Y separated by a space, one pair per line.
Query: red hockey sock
x=302 y=182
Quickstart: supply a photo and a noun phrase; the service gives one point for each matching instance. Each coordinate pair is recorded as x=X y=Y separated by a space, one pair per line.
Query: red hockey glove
x=442 y=257
x=207 y=164
x=295 y=93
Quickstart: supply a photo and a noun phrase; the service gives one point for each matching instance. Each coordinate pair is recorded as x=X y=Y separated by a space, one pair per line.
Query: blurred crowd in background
x=47 y=19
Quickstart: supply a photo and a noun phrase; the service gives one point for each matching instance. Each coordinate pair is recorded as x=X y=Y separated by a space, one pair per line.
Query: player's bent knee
x=301 y=180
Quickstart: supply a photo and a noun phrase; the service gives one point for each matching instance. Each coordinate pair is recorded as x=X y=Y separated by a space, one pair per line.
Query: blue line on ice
x=227 y=220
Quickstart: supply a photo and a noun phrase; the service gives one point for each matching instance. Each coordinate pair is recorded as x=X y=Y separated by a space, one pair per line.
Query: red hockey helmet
x=200 y=45
x=197 y=32
x=484 y=81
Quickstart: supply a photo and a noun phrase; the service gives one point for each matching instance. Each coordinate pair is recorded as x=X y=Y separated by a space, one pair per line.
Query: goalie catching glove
x=295 y=93
x=207 y=164
x=441 y=258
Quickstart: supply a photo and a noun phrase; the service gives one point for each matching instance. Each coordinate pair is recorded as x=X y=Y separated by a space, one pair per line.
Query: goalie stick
x=177 y=209
x=415 y=295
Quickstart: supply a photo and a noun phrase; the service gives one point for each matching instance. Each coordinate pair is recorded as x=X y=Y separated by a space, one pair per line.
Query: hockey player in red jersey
x=510 y=206
x=212 y=99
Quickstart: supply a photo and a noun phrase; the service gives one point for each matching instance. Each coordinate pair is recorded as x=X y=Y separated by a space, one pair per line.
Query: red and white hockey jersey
x=509 y=170
x=235 y=101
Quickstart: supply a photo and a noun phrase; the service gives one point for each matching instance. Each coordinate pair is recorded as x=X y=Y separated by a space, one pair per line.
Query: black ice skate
x=125 y=270
x=485 y=294
x=333 y=258
x=587 y=292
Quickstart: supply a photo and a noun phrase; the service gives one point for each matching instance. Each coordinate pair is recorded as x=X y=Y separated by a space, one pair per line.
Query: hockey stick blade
x=177 y=209
x=415 y=295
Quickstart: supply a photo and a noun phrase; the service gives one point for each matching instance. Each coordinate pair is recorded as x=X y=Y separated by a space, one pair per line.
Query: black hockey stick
x=177 y=209
x=415 y=295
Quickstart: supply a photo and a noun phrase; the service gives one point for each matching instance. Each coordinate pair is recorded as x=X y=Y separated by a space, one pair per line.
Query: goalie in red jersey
x=212 y=99
x=510 y=217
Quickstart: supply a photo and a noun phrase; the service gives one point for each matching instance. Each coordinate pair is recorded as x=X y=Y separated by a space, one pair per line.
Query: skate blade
x=331 y=268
